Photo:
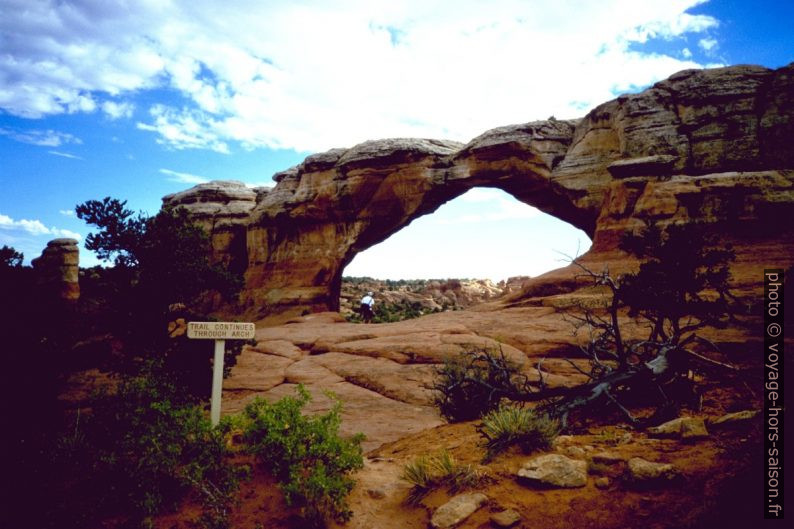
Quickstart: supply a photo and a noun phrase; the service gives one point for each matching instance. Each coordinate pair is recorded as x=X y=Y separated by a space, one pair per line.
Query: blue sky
x=136 y=100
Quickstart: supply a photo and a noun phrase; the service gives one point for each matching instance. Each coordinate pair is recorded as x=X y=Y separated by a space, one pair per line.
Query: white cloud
x=115 y=110
x=34 y=227
x=67 y=233
x=67 y=212
x=65 y=155
x=252 y=185
x=687 y=53
x=183 y=178
x=311 y=76
x=708 y=44
x=184 y=129
x=493 y=205
x=43 y=138
x=481 y=194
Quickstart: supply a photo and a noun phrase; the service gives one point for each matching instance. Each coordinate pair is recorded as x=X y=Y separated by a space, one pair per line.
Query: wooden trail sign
x=219 y=331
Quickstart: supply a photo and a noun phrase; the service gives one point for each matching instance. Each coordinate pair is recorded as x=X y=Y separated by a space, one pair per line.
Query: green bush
x=509 y=425
x=142 y=450
x=390 y=312
x=441 y=470
x=306 y=454
x=474 y=383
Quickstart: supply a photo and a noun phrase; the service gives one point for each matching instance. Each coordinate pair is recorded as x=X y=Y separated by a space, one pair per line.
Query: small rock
x=376 y=493
x=561 y=440
x=625 y=438
x=606 y=458
x=602 y=483
x=506 y=518
x=651 y=441
x=681 y=428
x=574 y=451
x=642 y=471
x=731 y=419
x=457 y=509
x=555 y=470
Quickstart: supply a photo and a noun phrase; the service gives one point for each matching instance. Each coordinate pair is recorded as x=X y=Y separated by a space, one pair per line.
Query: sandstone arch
x=705 y=145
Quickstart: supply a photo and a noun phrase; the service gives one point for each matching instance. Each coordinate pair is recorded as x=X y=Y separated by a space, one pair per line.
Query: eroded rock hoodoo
x=703 y=145
x=57 y=269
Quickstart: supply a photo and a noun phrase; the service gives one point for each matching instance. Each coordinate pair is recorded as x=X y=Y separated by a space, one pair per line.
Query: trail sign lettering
x=219 y=330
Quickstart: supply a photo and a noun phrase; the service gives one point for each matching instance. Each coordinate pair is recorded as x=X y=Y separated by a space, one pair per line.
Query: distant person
x=366 y=307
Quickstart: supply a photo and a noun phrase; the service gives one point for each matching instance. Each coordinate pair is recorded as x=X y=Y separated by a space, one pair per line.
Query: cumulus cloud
x=44 y=138
x=314 y=75
x=185 y=129
x=34 y=227
x=183 y=178
x=66 y=212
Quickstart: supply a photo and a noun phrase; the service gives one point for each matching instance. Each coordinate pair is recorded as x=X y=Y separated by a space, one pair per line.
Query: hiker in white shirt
x=366 y=307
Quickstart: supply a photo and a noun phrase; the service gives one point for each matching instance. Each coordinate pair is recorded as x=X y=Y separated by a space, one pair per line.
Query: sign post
x=220 y=332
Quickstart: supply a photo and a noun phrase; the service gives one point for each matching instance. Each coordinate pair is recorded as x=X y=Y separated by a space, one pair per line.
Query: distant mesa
x=707 y=146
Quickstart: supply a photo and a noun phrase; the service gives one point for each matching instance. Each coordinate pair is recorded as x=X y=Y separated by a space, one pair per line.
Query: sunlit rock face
x=703 y=145
x=222 y=208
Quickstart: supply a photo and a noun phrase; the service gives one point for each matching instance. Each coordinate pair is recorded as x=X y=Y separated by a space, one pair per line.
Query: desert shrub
x=510 y=425
x=306 y=454
x=418 y=474
x=142 y=450
x=474 y=383
x=392 y=312
x=426 y=473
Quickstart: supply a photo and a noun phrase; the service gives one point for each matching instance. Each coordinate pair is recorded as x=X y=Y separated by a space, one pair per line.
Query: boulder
x=641 y=471
x=554 y=470
x=737 y=418
x=689 y=428
x=606 y=458
x=506 y=518
x=457 y=510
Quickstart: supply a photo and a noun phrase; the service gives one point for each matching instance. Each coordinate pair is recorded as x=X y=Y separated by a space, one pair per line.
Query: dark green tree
x=168 y=254
x=160 y=261
x=10 y=258
x=682 y=283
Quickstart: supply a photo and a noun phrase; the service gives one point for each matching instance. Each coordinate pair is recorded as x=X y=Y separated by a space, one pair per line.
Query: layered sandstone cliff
x=703 y=145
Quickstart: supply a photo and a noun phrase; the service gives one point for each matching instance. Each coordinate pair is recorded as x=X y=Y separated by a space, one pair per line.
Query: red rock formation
x=222 y=208
x=58 y=269
x=703 y=145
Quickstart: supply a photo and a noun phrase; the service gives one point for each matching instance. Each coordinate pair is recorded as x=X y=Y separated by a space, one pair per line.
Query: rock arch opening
x=483 y=234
